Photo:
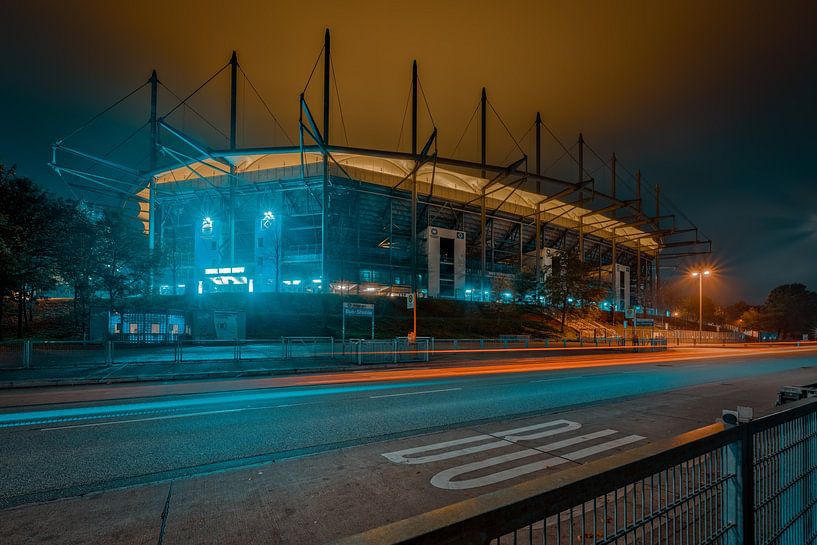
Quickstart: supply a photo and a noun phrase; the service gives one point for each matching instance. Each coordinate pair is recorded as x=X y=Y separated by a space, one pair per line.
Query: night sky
x=714 y=101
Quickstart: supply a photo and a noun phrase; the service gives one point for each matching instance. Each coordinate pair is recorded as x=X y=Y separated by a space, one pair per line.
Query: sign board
x=629 y=313
x=644 y=322
x=362 y=310
x=410 y=301
x=358 y=309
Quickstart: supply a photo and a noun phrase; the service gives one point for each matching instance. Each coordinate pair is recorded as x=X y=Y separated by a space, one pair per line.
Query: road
x=60 y=443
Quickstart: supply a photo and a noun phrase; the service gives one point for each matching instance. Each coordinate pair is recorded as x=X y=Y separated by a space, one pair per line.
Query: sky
x=714 y=101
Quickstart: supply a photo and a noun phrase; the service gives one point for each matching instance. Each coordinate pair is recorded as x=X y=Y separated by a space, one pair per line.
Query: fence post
x=394 y=351
x=108 y=352
x=26 y=354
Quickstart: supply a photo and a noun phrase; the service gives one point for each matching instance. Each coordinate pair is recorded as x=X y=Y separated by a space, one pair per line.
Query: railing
x=755 y=483
x=399 y=350
x=38 y=354
x=12 y=354
x=307 y=347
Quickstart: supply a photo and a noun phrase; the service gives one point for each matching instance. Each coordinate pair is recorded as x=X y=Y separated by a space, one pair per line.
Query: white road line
x=170 y=416
x=416 y=393
x=553 y=379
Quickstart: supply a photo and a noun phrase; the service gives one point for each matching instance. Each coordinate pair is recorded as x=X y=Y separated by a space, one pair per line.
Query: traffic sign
x=644 y=322
x=410 y=301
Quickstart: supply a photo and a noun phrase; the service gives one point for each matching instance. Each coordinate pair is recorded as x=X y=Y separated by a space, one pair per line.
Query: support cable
x=403 y=122
x=199 y=88
x=454 y=153
x=312 y=73
x=103 y=112
x=340 y=106
x=507 y=130
x=269 y=110
x=192 y=109
x=428 y=108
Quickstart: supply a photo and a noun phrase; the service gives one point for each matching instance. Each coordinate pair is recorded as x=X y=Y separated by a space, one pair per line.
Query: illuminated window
x=154 y=328
x=134 y=328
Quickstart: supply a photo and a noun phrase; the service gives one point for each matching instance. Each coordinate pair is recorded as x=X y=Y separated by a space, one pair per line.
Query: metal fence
x=399 y=350
x=750 y=484
x=12 y=354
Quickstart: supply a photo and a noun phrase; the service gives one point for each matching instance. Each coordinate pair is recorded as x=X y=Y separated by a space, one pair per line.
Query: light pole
x=700 y=275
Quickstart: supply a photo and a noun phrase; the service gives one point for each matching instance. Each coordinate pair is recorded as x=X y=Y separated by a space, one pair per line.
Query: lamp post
x=700 y=275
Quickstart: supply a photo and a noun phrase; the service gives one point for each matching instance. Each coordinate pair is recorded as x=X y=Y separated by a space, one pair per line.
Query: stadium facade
x=318 y=217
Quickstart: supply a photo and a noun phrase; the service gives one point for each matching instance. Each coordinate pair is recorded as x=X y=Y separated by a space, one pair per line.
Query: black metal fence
x=755 y=483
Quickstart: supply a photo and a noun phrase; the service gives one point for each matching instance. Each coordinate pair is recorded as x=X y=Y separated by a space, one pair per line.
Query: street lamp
x=700 y=275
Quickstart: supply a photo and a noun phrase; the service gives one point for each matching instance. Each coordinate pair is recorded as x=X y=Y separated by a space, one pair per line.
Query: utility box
x=445 y=251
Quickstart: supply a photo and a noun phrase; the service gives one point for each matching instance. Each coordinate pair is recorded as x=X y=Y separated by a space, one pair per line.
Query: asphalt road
x=100 y=441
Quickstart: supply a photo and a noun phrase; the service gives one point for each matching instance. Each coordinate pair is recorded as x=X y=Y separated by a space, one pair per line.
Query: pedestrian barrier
x=750 y=484
x=42 y=354
x=307 y=347
x=13 y=354
x=398 y=350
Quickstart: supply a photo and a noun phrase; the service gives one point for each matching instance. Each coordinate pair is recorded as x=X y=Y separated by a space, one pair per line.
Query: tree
x=790 y=309
x=125 y=262
x=570 y=285
x=750 y=319
x=78 y=264
x=732 y=313
x=29 y=224
x=526 y=284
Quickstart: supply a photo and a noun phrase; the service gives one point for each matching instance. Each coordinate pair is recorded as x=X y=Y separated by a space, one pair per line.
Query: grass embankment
x=271 y=315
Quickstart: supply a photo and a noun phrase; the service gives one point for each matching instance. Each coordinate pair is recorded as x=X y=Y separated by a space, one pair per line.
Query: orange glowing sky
x=714 y=100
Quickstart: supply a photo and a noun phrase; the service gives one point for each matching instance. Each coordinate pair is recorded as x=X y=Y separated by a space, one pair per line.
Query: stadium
x=319 y=217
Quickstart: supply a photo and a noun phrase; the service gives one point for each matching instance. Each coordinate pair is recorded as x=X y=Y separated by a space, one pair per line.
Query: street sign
x=629 y=313
x=358 y=309
x=410 y=301
x=644 y=322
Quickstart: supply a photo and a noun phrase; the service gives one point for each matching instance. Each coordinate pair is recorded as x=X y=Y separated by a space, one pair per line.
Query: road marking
x=553 y=379
x=507 y=438
x=445 y=479
x=450 y=479
x=168 y=417
x=416 y=393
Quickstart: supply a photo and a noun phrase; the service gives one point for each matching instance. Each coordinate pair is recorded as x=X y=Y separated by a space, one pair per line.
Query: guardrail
x=755 y=483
